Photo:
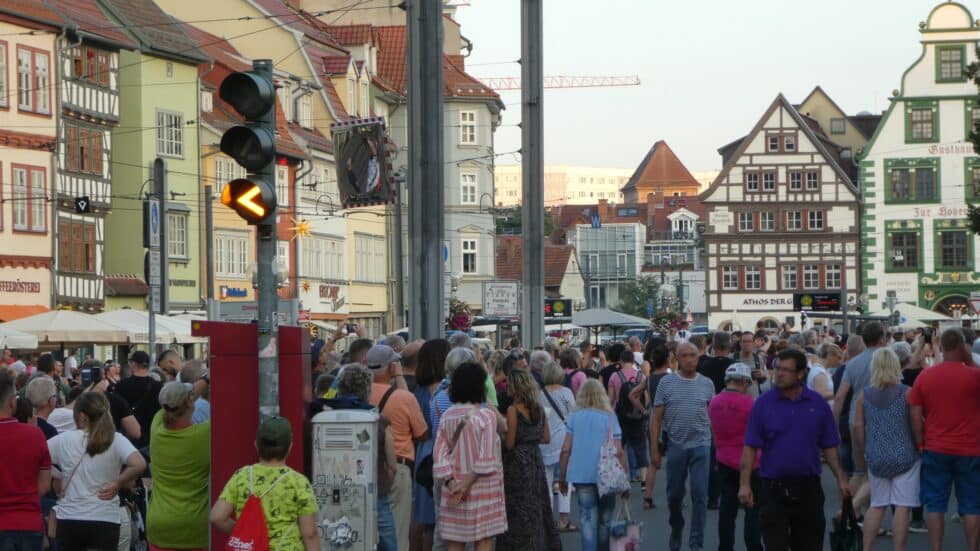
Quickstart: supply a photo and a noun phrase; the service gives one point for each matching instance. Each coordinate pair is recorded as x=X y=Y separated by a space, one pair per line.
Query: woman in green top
x=180 y=455
x=287 y=498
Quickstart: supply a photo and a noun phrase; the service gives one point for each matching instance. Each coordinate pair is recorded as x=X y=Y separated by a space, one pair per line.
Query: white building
x=563 y=185
x=919 y=172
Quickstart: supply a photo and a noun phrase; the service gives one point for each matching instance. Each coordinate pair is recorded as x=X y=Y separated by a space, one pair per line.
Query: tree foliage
x=973 y=73
x=635 y=296
x=510 y=221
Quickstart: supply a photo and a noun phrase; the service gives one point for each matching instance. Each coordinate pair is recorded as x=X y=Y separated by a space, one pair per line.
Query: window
x=815 y=220
x=974 y=186
x=954 y=249
x=467 y=127
x=226 y=170
x=170 y=134
x=323 y=258
x=767 y=221
x=812 y=180
x=950 y=63
x=597 y=293
x=369 y=258
x=304 y=111
x=903 y=255
x=351 y=96
x=76 y=247
x=753 y=277
x=282 y=185
x=364 y=100
x=83 y=149
x=811 y=276
x=769 y=180
x=795 y=180
x=33 y=80
x=745 y=221
x=467 y=187
x=789 y=143
x=231 y=255
x=29 y=198
x=4 y=89
x=469 y=256
x=912 y=180
x=794 y=220
x=91 y=65
x=832 y=275
x=282 y=254
x=922 y=124
x=207 y=101
x=790 y=280
x=729 y=277
x=751 y=181
x=284 y=93
x=837 y=126
x=25 y=98
x=772 y=144
x=177 y=235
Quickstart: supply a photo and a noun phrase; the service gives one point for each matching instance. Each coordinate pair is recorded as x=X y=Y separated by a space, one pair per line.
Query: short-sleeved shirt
x=142 y=394
x=589 y=429
x=949 y=394
x=286 y=496
x=729 y=413
x=858 y=375
x=791 y=433
x=403 y=412
x=81 y=495
x=25 y=454
x=685 y=402
x=630 y=374
x=714 y=368
x=575 y=379
x=178 y=512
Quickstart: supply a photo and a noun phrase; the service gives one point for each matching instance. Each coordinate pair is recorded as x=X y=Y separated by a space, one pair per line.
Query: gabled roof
x=156 y=31
x=866 y=123
x=125 y=285
x=31 y=13
x=218 y=49
x=312 y=136
x=510 y=264
x=335 y=65
x=352 y=35
x=91 y=22
x=318 y=55
x=819 y=143
x=660 y=168
x=393 y=66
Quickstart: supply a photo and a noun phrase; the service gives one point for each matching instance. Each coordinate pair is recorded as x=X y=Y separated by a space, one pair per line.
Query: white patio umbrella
x=137 y=323
x=68 y=326
x=913 y=312
x=11 y=338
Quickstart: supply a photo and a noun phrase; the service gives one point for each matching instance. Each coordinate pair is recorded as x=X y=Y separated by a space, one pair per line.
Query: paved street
x=655 y=528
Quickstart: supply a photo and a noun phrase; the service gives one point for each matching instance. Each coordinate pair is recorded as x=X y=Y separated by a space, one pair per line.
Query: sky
x=708 y=69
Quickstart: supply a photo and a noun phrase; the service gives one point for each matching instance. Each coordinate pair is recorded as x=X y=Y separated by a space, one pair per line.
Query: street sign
x=650 y=309
x=247 y=312
x=83 y=205
x=557 y=308
x=153 y=223
x=975 y=301
x=154 y=267
x=155 y=299
x=501 y=299
x=595 y=221
x=817 y=302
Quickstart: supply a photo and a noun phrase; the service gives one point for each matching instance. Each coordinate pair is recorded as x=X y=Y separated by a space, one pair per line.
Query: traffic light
x=253 y=145
x=802 y=320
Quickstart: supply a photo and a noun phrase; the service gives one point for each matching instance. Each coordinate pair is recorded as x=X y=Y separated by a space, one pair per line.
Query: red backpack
x=251 y=532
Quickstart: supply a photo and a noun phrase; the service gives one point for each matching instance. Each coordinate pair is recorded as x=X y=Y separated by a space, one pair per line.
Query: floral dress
x=482 y=514
x=531 y=526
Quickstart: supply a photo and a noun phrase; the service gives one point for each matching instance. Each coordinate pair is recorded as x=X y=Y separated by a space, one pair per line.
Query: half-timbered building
x=782 y=219
x=87 y=68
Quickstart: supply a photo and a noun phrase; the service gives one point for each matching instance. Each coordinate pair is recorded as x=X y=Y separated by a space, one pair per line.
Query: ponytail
x=101 y=430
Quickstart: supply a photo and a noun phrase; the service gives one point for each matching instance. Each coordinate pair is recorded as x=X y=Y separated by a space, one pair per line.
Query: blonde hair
x=592 y=396
x=552 y=373
x=828 y=348
x=522 y=387
x=886 y=370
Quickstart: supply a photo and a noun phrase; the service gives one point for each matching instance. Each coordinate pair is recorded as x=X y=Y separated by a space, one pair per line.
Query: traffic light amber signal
x=253 y=200
x=252 y=145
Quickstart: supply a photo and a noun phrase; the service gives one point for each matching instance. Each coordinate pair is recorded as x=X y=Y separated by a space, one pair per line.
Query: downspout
x=295 y=259
x=201 y=198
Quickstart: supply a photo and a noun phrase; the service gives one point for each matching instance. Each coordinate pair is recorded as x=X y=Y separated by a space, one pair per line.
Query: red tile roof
x=509 y=262
x=318 y=54
x=156 y=31
x=352 y=35
x=125 y=285
x=660 y=169
x=300 y=20
x=312 y=136
x=393 y=64
x=31 y=14
x=335 y=65
x=88 y=17
x=216 y=48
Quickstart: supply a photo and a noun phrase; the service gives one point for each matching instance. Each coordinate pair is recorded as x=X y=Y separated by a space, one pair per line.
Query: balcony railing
x=673 y=236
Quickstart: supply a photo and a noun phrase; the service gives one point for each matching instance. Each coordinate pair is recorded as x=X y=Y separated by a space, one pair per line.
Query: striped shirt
x=685 y=404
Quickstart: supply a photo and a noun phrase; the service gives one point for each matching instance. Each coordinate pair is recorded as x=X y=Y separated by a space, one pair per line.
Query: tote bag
x=611 y=479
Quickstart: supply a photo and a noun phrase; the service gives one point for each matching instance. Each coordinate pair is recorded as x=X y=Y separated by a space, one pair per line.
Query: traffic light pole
x=532 y=161
x=265 y=279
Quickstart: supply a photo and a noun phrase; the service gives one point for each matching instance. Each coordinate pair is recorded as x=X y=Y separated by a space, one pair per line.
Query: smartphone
x=351 y=328
x=927 y=336
x=91 y=376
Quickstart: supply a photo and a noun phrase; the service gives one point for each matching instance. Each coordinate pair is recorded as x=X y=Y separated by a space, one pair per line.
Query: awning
x=11 y=312
x=324 y=326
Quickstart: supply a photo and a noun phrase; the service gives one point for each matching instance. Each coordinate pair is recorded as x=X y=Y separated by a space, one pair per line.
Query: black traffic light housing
x=253 y=145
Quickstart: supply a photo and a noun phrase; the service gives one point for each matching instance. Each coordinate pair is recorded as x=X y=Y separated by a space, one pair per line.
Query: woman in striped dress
x=467 y=462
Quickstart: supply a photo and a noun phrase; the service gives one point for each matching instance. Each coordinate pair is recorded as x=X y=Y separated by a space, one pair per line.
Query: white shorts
x=900 y=491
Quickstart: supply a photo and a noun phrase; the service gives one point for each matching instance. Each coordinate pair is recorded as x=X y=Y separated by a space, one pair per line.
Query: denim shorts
x=941 y=473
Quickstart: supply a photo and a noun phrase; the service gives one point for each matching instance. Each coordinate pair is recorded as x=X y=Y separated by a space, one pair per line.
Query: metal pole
x=265 y=281
x=399 y=234
x=532 y=170
x=209 y=240
x=162 y=191
x=680 y=289
x=425 y=174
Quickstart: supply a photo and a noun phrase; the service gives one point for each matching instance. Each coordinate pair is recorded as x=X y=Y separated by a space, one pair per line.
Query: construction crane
x=563 y=81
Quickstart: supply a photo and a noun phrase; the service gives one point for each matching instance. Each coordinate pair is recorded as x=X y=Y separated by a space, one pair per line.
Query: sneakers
x=918 y=527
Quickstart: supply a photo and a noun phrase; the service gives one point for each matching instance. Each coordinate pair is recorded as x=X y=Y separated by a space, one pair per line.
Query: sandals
x=648 y=503
x=567 y=527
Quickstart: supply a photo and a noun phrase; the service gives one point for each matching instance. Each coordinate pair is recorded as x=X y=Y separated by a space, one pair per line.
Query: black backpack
x=625 y=409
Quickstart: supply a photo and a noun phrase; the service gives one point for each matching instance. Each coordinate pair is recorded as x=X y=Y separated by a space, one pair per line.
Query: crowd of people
x=487 y=449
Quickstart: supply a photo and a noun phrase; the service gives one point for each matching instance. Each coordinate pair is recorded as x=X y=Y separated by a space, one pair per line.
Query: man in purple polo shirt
x=791 y=424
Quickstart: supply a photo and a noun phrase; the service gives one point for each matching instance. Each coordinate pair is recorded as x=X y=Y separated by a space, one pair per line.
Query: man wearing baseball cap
x=402 y=411
x=729 y=414
x=142 y=392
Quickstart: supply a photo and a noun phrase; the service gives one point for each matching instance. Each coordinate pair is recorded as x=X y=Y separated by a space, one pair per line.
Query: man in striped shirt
x=681 y=405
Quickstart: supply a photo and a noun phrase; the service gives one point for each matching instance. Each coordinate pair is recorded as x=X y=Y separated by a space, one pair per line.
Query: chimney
x=650 y=216
x=603 y=209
